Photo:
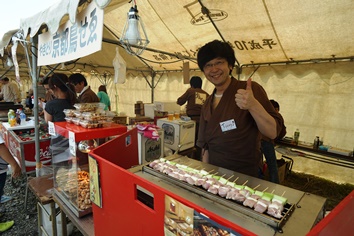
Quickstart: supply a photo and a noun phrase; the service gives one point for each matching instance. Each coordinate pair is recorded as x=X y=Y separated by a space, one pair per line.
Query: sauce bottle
x=296 y=136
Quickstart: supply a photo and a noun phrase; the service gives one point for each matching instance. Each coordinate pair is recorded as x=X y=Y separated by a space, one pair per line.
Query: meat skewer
x=277 y=206
x=262 y=202
x=224 y=189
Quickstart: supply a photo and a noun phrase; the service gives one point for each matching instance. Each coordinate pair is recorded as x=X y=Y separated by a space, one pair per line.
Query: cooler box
x=150 y=149
x=178 y=132
x=169 y=106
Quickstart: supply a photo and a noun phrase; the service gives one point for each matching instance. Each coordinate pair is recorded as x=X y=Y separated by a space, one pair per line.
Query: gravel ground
x=25 y=220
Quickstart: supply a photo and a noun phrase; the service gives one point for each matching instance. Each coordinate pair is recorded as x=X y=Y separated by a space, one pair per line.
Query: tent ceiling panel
x=260 y=31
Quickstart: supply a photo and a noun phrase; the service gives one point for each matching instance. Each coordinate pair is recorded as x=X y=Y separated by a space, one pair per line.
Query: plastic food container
x=85 y=107
x=76 y=121
x=91 y=116
x=77 y=113
x=69 y=112
x=89 y=124
x=69 y=119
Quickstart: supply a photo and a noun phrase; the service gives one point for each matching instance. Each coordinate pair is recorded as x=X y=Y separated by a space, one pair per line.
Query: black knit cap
x=215 y=49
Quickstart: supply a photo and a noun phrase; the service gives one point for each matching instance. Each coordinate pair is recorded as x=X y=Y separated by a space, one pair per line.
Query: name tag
x=228 y=125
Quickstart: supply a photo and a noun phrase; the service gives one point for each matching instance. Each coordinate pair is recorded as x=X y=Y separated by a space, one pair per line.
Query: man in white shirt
x=9 y=91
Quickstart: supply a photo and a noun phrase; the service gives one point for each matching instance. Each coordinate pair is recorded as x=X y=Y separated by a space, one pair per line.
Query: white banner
x=73 y=41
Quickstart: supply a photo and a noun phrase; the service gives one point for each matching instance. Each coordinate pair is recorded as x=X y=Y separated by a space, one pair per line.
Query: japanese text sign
x=72 y=41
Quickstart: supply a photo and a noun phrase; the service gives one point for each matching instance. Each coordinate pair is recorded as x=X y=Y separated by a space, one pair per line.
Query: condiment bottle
x=316 y=142
x=11 y=115
x=296 y=136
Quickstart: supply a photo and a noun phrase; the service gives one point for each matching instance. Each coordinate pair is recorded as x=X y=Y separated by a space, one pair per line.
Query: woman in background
x=65 y=98
x=104 y=98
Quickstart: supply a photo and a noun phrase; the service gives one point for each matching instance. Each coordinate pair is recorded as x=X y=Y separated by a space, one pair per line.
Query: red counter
x=122 y=210
x=24 y=150
x=82 y=133
x=340 y=221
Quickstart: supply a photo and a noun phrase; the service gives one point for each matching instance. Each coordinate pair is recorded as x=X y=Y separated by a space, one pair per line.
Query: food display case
x=166 y=205
x=70 y=161
x=20 y=141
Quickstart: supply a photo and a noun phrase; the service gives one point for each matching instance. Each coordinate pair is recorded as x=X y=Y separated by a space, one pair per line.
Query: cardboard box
x=282 y=170
x=169 y=106
x=178 y=133
x=120 y=120
x=149 y=110
x=150 y=149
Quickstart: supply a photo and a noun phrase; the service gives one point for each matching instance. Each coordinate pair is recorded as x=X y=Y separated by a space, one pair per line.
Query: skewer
x=283 y=193
x=245 y=183
x=230 y=177
x=273 y=191
x=223 y=175
x=235 y=180
x=265 y=189
x=210 y=171
x=256 y=187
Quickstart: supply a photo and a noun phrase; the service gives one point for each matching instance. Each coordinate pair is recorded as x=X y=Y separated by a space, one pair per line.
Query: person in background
x=267 y=148
x=86 y=95
x=48 y=92
x=9 y=91
x=233 y=117
x=29 y=103
x=104 y=98
x=195 y=97
x=47 y=97
x=6 y=159
x=65 y=98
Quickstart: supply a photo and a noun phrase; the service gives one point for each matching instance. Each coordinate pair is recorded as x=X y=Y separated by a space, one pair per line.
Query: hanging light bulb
x=134 y=38
x=132 y=35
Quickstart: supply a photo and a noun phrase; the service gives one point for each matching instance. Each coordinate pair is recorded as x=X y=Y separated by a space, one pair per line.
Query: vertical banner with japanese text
x=72 y=41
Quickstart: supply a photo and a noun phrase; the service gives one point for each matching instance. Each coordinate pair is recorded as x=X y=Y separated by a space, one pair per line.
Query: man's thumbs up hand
x=244 y=97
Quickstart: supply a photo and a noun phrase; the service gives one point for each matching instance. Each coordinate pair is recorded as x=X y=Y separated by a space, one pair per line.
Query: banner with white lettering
x=72 y=41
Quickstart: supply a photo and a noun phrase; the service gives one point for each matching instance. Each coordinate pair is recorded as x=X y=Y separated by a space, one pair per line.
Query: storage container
x=178 y=134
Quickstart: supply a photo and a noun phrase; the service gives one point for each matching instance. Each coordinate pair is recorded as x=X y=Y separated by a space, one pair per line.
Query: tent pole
x=115 y=85
x=152 y=87
x=34 y=42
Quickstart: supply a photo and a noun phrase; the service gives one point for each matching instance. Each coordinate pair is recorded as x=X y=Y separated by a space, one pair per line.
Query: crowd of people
x=61 y=92
x=236 y=124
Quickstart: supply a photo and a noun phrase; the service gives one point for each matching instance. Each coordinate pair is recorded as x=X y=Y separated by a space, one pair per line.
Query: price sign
x=51 y=128
x=72 y=143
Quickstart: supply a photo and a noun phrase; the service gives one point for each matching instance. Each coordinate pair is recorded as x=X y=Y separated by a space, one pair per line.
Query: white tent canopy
x=259 y=31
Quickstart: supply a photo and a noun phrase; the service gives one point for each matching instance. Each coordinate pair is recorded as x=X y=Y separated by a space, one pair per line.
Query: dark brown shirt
x=237 y=148
x=88 y=96
x=195 y=98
